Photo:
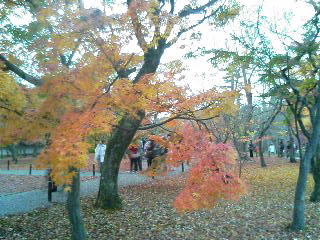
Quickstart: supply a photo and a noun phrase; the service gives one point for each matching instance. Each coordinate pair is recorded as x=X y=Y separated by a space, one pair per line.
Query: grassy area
x=264 y=213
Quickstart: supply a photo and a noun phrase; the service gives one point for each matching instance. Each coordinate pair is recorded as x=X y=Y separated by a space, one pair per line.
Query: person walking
x=99 y=153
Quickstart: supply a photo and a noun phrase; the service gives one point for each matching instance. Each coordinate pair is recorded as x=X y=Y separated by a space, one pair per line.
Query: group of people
x=286 y=149
x=147 y=149
x=272 y=149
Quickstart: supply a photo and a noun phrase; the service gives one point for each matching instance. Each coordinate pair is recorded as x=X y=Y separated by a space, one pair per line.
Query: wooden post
x=30 y=169
x=93 y=169
x=8 y=165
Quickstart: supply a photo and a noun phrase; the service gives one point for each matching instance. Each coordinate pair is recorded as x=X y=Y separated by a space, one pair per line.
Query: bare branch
x=184 y=30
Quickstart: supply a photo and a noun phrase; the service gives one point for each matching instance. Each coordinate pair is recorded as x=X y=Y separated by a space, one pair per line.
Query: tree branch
x=189 y=10
x=137 y=26
x=184 y=30
x=29 y=78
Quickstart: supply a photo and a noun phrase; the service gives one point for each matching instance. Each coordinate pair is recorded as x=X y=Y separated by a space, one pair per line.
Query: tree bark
x=73 y=206
x=108 y=197
x=298 y=221
x=292 y=158
x=122 y=135
x=315 y=195
x=14 y=154
x=262 y=161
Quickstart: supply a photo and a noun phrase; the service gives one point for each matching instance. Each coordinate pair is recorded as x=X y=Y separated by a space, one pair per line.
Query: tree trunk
x=35 y=150
x=73 y=206
x=122 y=135
x=315 y=195
x=13 y=150
x=298 y=221
x=291 y=142
x=108 y=197
x=262 y=161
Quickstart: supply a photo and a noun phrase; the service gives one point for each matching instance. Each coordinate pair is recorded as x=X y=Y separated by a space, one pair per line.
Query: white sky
x=202 y=75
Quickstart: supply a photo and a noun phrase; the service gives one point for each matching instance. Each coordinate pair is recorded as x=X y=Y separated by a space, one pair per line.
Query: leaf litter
x=265 y=213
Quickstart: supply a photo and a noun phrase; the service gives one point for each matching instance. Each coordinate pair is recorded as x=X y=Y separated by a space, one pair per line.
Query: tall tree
x=84 y=85
x=164 y=19
x=298 y=82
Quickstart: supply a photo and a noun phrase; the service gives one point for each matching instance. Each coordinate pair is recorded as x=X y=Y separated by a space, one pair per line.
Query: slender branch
x=184 y=30
x=12 y=110
x=289 y=82
x=172 y=6
x=269 y=121
x=12 y=67
x=187 y=11
x=156 y=22
x=173 y=118
x=298 y=117
x=68 y=63
x=149 y=126
x=137 y=26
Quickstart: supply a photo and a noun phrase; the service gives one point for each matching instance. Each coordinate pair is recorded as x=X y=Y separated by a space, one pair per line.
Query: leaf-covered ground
x=148 y=214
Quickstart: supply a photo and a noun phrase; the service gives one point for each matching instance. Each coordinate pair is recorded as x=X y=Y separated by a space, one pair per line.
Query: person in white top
x=272 y=149
x=99 y=153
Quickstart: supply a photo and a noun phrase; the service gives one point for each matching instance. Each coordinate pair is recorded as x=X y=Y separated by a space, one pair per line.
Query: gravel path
x=13 y=203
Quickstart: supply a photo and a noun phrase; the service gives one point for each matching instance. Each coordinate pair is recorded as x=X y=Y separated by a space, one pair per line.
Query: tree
x=85 y=85
x=160 y=40
x=299 y=84
x=293 y=77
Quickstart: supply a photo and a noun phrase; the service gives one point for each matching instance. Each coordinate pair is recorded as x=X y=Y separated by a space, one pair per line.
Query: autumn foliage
x=211 y=177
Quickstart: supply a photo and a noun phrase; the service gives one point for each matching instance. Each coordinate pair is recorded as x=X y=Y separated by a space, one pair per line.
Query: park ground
x=264 y=213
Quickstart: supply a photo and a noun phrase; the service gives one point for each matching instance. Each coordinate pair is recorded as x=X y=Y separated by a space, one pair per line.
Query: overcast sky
x=202 y=75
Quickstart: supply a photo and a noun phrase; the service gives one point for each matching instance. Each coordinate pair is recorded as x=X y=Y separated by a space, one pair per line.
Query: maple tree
x=92 y=92
x=212 y=176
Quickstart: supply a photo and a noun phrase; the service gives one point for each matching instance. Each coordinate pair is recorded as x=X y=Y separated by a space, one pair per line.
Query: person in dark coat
x=150 y=152
x=251 y=148
x=281 y=148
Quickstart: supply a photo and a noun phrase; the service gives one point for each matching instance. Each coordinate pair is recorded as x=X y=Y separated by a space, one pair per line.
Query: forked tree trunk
x=122 y=135
x=73 y=206
x=298 y=221
x=108 y=197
